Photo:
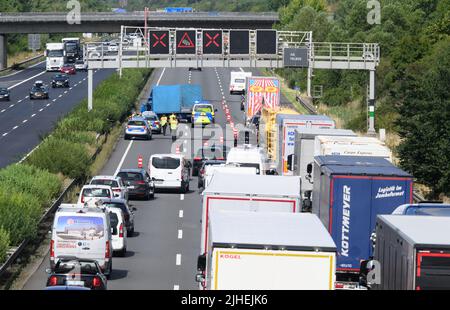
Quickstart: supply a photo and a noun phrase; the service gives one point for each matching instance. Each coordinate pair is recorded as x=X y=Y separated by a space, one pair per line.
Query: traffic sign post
x=239 y=42
x=34 y=42
x=159 y=42
x=296 y=57
x=266 y=42
x=186 y=41
x=212 y=42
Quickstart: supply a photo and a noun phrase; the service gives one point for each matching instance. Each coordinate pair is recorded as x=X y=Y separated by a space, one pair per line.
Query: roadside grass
x=107 y=149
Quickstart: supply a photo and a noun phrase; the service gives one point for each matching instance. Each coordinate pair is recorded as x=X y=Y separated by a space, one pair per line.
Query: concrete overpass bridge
x=26 y=23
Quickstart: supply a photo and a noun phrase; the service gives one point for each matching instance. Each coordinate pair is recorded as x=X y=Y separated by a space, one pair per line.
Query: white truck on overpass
x=267 y=251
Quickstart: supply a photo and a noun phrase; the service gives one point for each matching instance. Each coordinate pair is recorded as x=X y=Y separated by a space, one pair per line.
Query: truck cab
x=56 y=56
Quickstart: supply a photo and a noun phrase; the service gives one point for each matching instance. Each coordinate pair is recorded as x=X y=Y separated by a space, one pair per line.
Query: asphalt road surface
x=163 y=253
x=23 y=121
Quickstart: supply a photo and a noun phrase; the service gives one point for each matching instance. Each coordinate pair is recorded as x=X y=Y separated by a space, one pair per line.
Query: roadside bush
x=19 y=214
x=24 y=178
x=59 y=155
x=4 y=244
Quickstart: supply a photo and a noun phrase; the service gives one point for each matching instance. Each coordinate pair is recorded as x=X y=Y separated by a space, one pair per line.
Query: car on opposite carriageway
x=4 y=94
x=39 y=91
x=60 y=80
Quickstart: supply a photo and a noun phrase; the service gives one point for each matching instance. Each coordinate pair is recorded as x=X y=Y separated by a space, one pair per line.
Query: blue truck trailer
x=349 y=192
x=177 y=99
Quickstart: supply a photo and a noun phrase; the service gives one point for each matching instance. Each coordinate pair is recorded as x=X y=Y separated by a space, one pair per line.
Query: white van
x=238 y=81
x=84 y=233
x=90 y=192
x=118 y=231
x=171 y=171
x=248 y=156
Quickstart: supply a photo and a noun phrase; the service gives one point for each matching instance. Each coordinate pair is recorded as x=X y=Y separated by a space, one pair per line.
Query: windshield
x=3 y=90
x=111 y=183
x=166 y=163
x=130 y=176
x=136 y=123
x=120 y=206
x=71 y=47
x=38 y=89
x=76 y=267
x=55 y=53
x=203 y=108
x=96 y=192
x=60 y=76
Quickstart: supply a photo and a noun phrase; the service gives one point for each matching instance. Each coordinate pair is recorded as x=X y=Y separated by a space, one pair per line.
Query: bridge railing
x=350 y=52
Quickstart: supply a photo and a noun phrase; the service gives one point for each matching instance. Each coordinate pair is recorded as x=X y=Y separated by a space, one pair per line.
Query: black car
x=73 y=271
x=138 y=182
x=39 y=91
x=4 y=94
x=217 y=152
x=127 y=212
x=60 y=80
x=201 y=172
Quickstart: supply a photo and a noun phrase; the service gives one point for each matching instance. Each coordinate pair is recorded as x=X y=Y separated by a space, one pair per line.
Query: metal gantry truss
x=134 y=52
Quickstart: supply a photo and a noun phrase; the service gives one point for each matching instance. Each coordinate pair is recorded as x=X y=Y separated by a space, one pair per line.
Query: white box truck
x=267 y=251
x=351 y=146
x=238 y=81
x=257 y=193
x=287 y=125
x=249 y=156
x=304 y=155
x=56 y=56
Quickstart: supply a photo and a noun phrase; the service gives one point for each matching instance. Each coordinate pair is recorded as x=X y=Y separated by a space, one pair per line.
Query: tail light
x=96 y=282
x=202 y=171
x=197 y=158
x=121 y=231
x=339 y=286
x=82 y=199
x=107 y=250
x=156 y=123
x=140 y=182
x=53 y=281
x=117 y=190
x=52 y=248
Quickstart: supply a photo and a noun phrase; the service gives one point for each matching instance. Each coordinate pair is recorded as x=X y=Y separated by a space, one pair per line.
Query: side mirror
x=201 y=263
x=309 y=169
x=291 y=162
x=153 y=179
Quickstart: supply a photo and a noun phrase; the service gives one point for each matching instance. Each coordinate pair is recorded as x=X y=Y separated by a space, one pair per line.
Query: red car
x=68 y=69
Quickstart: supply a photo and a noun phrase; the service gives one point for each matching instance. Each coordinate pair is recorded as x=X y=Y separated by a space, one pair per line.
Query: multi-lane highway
x=163 y=253
x=23 y=121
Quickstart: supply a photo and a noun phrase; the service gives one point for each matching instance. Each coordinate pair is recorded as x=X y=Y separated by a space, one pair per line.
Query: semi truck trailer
x=267 y=251
x=412 y=252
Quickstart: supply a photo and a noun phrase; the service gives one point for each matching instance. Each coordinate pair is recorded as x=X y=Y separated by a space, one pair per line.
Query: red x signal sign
x=159 y=42
x=212 y=42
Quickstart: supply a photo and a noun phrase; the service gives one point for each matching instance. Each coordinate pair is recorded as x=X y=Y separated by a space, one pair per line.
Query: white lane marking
x=3 y=111
x=70 y=88
x=24 y=81
x=59 y=96
x=11 y=105
x=176 y=287
x=9 y=75
x=180 y=214
x=19 y=101
x=65 y=92
x=4 y=134
x=180 y=234
x=24 y=121
x=33 y=115
x=26 y=97
x=123 y=157
x=54 y=100
x=178 y=261
x=48 y=104
x=40 y=110
x=160 y=78
x=182 y=197
x=242 y=70
x=15 y=127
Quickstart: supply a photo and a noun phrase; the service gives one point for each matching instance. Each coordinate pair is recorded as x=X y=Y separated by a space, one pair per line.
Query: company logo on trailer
x=345 y=221
x=228 y=256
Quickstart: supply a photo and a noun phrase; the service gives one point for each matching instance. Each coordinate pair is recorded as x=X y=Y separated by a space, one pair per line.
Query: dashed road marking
x=2 y=111
x=176 y=287
x=54 y=100
x=182 y=197
x=178 y=260
x=15 y=127
x=33 y=115
x=11 y=105
x=24 y=121
x=40 y=110
x=5 y=134
x=180 y=234
x=19 y=101
x=181 y=214
x=48 y=104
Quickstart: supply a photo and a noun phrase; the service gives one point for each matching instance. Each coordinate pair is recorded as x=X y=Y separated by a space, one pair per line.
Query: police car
x=139 y=128
x=203 y=114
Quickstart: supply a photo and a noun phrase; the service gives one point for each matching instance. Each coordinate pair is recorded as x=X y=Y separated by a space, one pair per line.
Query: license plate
x=75 y=283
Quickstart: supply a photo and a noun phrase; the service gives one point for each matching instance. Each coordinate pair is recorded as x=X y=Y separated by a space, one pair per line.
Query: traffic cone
x=140 y=162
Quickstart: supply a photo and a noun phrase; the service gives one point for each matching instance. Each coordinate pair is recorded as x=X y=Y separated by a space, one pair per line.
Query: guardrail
x=22 y=63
